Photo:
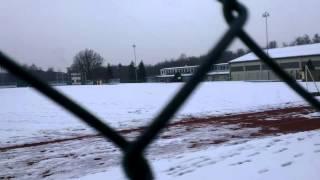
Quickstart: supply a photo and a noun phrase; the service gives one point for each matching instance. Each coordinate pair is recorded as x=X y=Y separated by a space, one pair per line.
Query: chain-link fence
x=135 y=164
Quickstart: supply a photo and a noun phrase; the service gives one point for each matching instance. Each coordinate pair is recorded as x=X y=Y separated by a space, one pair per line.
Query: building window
x=314 y=63
x=265 y=67
x=291 y=65
x=237 y=68
x=253 y=68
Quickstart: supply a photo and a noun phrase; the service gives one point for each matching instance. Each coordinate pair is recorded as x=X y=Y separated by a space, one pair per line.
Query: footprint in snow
x=185 y=172
x=298 y=155
x=276 y=140
x=231 y=155
x=240 y=162
x=310 y=135
x=281 y=150
x=200 y=162
x=300 y=139
x=254 y=154
x=199 y=165
x=286 y=164
x=241 y=148
x=269 y=145
x=179 y=171
x=263 y=171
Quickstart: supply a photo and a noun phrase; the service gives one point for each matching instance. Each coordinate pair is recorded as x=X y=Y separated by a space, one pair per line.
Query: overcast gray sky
x=50 y=33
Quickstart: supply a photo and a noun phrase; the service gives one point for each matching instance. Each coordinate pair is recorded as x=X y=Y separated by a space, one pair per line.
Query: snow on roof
x=164 y=76
x=196 y=66
x=218 y=72
x=294 y=51
x=221 y=64
x=181 y=67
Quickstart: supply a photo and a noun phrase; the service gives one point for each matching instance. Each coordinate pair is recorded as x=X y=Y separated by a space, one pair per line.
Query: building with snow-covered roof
x=219 y=72
x=291 y=59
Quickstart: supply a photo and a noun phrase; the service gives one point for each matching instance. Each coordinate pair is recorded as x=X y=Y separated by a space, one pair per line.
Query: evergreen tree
x=303 y=40
x=316 y=38
x=141 y=72
x=120 y=73
x=273 y=44
x=307 y=39
x=50 y=75
x=240 y=52
x=109 y=72
x=132 y=72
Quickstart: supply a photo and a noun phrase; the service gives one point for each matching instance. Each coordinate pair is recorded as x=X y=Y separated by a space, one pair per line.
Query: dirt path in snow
x=77 y=156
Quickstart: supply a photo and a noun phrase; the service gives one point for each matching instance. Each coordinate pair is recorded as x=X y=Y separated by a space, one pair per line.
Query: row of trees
x=90 y=65
x=305 y=39
x=49 y=76
x=300 y=40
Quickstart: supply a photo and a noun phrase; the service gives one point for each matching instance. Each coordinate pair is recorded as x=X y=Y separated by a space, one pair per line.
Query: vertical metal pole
x=135 y=61
x=266 y=15
x=306 y=76
x=267 y=35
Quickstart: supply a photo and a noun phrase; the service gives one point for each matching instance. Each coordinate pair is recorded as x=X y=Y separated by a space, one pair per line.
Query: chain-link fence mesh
x=134 y=162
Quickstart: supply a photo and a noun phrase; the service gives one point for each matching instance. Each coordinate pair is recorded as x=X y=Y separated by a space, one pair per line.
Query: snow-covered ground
x=287 y=157
x=26 y=114
x=27 y=117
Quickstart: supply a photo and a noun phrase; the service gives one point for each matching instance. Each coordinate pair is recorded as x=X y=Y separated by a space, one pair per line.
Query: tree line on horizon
x=90 y=64
x=50 y=76
x=300 y=40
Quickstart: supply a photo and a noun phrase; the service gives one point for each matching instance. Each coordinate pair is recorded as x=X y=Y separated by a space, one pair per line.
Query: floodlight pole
x=266 y=15
x=135 y=61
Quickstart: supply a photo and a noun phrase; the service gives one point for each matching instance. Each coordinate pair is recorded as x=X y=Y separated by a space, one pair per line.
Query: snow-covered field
x=287 y=157
x=28 y=117
x=24 y=113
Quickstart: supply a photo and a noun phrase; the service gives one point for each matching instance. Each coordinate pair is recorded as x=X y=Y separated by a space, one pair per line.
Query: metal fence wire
x=134 y=162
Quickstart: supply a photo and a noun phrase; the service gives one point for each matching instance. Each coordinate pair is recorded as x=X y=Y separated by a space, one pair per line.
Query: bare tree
x=87 y=61
x=141 y=72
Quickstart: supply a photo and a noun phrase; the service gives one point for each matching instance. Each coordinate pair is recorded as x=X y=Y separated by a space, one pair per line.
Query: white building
x=75 y=78
x=291 y=59
x=219 y=72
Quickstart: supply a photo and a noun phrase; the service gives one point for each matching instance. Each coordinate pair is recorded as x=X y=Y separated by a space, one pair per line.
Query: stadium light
x=135 y=61
x=266 y=15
